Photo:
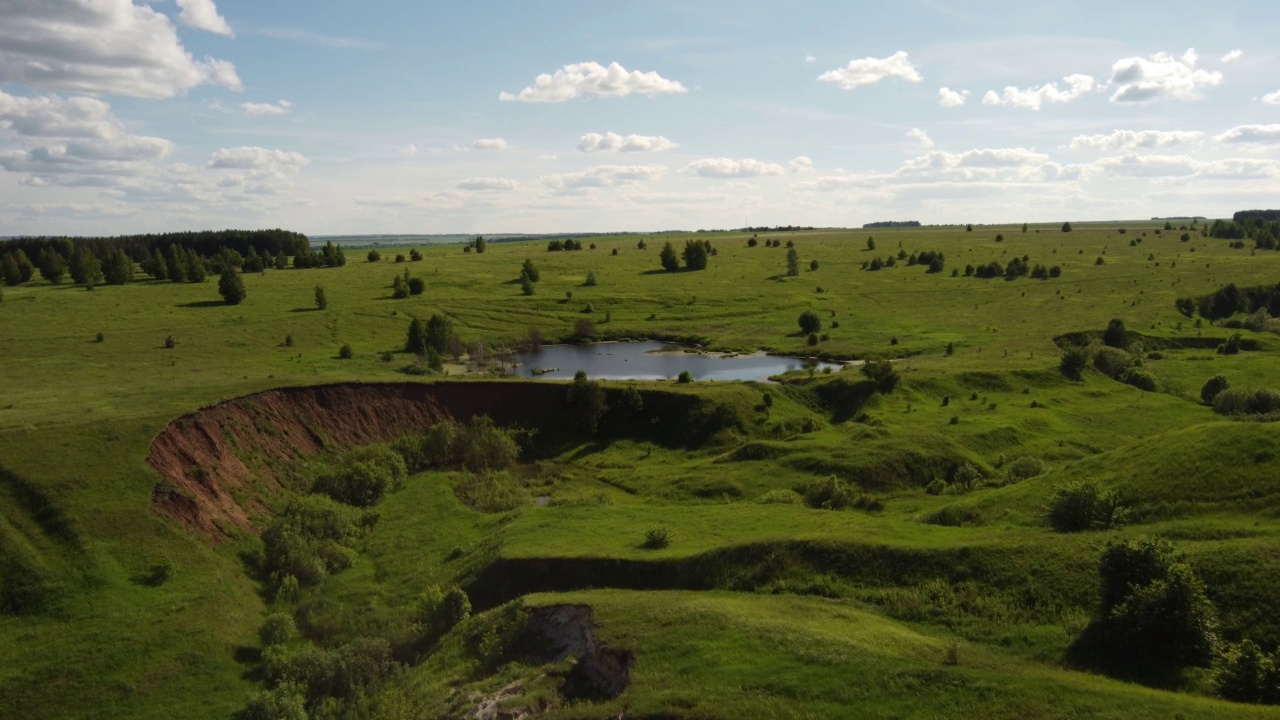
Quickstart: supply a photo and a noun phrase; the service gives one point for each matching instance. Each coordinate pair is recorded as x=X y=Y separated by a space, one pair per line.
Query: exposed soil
x=600 y=672
x=219 y=464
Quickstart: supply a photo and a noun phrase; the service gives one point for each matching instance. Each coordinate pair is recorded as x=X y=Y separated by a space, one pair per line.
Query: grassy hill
x=926 y=598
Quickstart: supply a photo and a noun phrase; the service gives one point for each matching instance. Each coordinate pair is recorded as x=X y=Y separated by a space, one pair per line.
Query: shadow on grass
x=305 y=309
x=202 y=304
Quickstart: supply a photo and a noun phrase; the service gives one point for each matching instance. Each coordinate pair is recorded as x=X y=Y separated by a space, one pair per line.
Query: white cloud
x=256 y=158
x=103 y=47
x=1272 y=98
x=1131 y=140
x=488 y=184
x=72 y=140
x=949 y=98
x=613 y=142
x=810 y=58
x=1133 y=165
x=1033 y=98
x=592 y=78
x=489 y=144
x=801 y=164
x=983 y=158
x=1163 y=76
x=203 y=15
x=920 y=136
x=1250 y=134
x=1233 y=56
x=869 y=71
x=726 y=168
x=604 y=176
x=409 y=150
x=284 y=107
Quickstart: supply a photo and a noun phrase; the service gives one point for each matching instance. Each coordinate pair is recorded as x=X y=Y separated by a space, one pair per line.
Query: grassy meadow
x=920 y=604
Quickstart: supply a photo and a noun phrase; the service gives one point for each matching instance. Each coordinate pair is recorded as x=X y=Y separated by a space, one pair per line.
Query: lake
x=652 y=360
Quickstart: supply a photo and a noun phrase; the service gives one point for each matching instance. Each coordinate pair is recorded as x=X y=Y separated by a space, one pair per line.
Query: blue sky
x=336 y=116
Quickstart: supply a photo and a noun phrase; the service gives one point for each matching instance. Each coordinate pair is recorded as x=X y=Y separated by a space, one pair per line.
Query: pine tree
x=52 y=265
x=193 y=267
x=668 y=258
x=322 y=301
x=530 y=271
x=793 y=262
x=399 y=288
x=416 y=342
x=439 y=332
x=231 y=286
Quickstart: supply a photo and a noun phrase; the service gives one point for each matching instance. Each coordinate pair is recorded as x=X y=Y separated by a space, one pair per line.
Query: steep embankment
x=216 y=463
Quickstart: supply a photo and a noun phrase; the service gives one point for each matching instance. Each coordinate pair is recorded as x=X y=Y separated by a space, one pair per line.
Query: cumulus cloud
x=801 y=164
x=488 y=184
x=1035 y=97
x=983 y=158
x=1251 y=134
x=592 y=78
x=613 y=142
x=726 y=168
x=68 y=140
x=1185 y=166
x=256 y=158
x=203 y=15
x=489 y=144
x=1272 y=98
x=1162 y=76
x=284 y=107
x=810 y=58
x=1233 y=56
x=409 y=150
x=920 y=136
x=869 y=71
x=949 y=98
x=107 y=47
x=1131 y=140
x=604 y=176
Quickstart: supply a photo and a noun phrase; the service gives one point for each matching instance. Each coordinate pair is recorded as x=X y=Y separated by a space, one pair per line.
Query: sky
x=348 y=117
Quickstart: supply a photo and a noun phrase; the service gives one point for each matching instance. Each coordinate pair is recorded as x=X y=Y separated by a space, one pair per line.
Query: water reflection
x=652 y=360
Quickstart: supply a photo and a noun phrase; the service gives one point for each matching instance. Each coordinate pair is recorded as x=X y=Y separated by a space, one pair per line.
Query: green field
x=921 y=604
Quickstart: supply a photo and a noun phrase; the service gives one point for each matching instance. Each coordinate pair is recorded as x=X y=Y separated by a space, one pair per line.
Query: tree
x=175 y=268
x=793 y=263
x=809 y=322
x=695 y=254
x=530 y=271
x=1024 y=227
x=668 y=258
x=1213 y=387
x=374 y=255
x=526 y=285
x=86 y=270
x=1153 y=610
x=1074 y=361
x=53 y=266
x=586 y=401
x=417 y=286
x=591 y=280
x=640 y=245
x=1115 y=335
x=253 y=261
x=193 y=267
x=871 y=244
x=881 y=372
x=17 y=268
x=1066 y=227
x=813 y=265
x=439 y=332
x=322 y=301
x=416 y=342
x=118 y=269
x=9 y=271
x=479 y=245
x=399 y=288
x=231 y=286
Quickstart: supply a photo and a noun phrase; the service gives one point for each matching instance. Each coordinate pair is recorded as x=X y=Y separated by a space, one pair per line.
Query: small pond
x=652 y=360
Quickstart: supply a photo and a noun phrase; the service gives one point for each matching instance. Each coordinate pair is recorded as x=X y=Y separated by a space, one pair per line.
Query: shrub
x=1115 y=335
x=656 y=538
x=830 y=493
x=231 y=286
x=1244 y=673
x=362 y=477
x=780 y=496
x=813 y=265
x=399 y=288
x=881 y=372
x=1140 y=378
x=1231 y=346
x=1152 y=607
x=696 y=253
x=1082 y=505
x=667 y=257
x=278 y=629
x=1113 y=362
x=1066 y=227
x=417 y=286
x=793 y=261
x=809 y=322
x=345 y=352
x=967 y=476
x=374 y=255
x=322 y=301
x=1023 y=468
x=1074 y=361
x=1100 y=261
x=584 y=330
x=286 y=701
x=591 y=279
x=170 y=343
x=492 y=492
x=684 y=378
x=526 y=286
x=813 y=338
x=483 y=446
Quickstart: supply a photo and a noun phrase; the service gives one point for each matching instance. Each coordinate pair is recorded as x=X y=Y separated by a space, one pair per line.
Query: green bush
x=830 y=493
x=345 y=352
x=656 y=538
x=1074 y=361
x=284 y=702
x=492 y=491
x=278 y=629
x=1023 y=468
x=311 y=538
x=1113 y=361
x=684 y=378
x=1082 y=505
x=361 y=477
x=1213 y=387
x=1140 y=378
x=881 y=372
x=1244 y=673
x=780 y=496
x=809 y=322
x=967 y=476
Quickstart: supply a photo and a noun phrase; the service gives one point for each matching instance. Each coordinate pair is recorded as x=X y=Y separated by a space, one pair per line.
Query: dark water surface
x=652 y=360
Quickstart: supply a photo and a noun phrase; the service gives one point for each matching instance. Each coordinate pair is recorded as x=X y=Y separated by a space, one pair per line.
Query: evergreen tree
x=399 y=288
x=416 y=342
x=530 y=271
x=282 y=261
x=9 y=271
x=174 y=265
x=118 y=269
x=86 y=270
x=1066 y=227
x=668 y=258
x=253 y=261
x=194 y=267
x=25 y=268
x=480 y=246
x=322 y=301
x=52 y=265
x=231 y=285
x=526 y=285
x=374 y=255
x=793 y=263
x=695 y=254
x=439 y=332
